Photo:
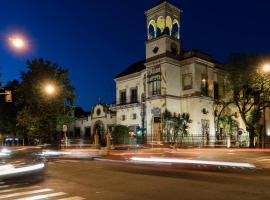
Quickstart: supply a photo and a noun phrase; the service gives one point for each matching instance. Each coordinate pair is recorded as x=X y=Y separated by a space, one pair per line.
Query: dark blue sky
x=96 y=39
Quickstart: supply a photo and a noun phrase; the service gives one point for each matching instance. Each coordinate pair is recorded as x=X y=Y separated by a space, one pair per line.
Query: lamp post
x=266 y=72
x=51 y=89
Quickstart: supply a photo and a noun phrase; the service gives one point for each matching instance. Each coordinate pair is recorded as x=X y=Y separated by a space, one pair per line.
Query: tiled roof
x=136 y=67
x=139 y=66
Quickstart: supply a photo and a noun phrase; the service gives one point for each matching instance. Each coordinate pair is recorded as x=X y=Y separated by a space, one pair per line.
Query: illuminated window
x=204 y=85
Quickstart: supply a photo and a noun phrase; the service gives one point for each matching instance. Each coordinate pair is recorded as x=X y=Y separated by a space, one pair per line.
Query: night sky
x=96 y=39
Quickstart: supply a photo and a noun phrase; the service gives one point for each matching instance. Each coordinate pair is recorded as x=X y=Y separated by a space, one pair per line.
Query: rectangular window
x=133 y=95
x=204 y=85
x=123 y=117
x=187 y=81
x=123 y=98
x=134 y=116
x=155 y=84
x=216 y=92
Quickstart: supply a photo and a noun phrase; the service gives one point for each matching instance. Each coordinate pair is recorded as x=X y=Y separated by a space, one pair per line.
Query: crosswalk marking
x=45 y=196
x=15 y=189
x=72 y=198
x=25 y=193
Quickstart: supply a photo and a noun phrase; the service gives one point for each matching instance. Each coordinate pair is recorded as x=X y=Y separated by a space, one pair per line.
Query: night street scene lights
x=18 y=42
x=50 y=89
x=266 y=68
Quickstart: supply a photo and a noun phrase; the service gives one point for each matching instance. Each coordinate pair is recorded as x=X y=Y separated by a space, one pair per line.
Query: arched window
x=176 y=29
x=169 y=24
x=151 y=29
x=167 y=31
x=151 y=32
x=159 y=32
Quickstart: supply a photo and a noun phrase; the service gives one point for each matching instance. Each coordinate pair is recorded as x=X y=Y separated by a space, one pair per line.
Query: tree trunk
x=251 y=137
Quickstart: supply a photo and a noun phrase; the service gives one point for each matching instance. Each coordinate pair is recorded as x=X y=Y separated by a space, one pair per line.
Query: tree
x=9 y=110
x=120 y=132
x=175 y=126
x=41 y=115
x=250 y=89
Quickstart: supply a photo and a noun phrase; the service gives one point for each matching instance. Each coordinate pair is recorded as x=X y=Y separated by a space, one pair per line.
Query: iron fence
x=180 y=142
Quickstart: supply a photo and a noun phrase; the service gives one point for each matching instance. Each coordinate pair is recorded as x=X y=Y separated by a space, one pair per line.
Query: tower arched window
x=151 y=32
x=159 y=32
x=175 y=30
x=167 y=31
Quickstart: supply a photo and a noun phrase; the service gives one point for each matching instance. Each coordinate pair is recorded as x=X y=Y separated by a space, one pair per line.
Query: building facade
x=169 y=78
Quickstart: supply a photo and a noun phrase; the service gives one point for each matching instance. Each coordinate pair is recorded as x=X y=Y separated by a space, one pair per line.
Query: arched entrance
x=100 y=130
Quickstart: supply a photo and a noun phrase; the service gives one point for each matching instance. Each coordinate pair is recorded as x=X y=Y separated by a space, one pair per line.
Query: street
x=88 y=179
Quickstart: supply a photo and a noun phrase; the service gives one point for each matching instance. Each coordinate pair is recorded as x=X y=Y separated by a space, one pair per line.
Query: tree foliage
x=250 y=89
x=175 y=126
x=42 y=115
x=9 y=110
x=120 y=133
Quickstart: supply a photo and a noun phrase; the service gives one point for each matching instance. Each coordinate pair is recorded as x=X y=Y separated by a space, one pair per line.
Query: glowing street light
x=17 y=42
x=266 y=68
x=50 y=89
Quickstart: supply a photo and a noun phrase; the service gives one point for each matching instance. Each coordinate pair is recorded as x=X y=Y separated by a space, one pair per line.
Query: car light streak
x=4 y=152
x=54 y=153
x=45 y=196
x=186 y=161
x=10 y=170
x=7 y=151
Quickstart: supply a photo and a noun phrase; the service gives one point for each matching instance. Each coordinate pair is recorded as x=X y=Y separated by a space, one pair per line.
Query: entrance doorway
x=100 y=130
x=157 y=136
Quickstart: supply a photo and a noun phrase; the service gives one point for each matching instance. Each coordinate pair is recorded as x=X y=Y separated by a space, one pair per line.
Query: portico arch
x=99 y=129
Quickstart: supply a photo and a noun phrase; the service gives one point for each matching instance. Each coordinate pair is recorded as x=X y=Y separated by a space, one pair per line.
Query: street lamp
x=50 y=89
x=266 y=68
x=17 y=42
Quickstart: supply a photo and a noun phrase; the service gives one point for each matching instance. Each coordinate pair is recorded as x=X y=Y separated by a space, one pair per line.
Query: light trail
x=10 y=170
x=44 y=196
x=197 y=162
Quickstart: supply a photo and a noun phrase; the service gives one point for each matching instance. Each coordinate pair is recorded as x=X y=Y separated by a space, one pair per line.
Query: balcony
x=131 y=102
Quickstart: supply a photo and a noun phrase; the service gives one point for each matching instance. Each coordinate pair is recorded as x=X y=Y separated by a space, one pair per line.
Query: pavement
x=95 y=180
x=111 y=175
x=258 y=157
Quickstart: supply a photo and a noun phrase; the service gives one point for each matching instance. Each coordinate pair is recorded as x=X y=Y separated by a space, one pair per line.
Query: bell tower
x=163 y=30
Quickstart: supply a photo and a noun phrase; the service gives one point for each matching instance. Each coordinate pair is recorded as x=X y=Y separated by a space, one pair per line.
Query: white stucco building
x=169 y=78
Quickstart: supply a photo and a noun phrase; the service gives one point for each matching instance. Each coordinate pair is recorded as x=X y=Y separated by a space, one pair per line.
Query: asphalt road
x=96 y=180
